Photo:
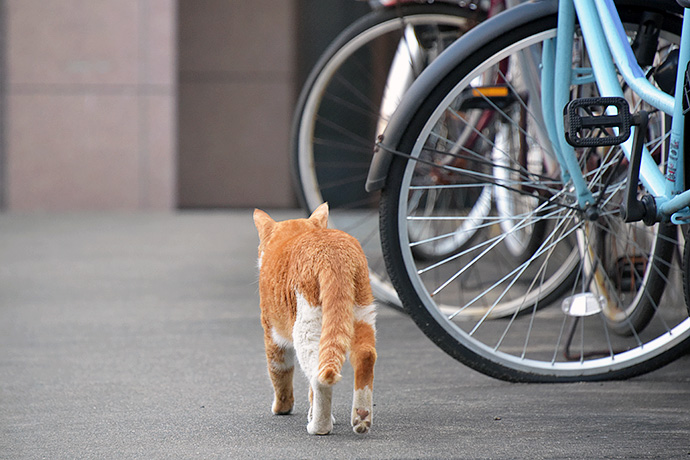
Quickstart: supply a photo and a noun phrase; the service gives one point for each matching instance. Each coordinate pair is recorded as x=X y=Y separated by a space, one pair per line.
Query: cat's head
x=270 y=230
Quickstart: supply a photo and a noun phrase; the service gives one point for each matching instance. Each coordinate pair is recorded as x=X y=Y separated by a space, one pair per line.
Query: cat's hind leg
x=311 y=406
x=306 y=334
x=320 y=419
x=280 y=357
x=363 y=358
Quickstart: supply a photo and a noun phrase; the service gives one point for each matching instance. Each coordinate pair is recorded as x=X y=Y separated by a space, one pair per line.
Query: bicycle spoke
x=521 y=268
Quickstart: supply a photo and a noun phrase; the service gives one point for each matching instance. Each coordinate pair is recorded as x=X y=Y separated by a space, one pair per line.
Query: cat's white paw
x=323 y=428
x=316 y=427
x=361 y=420
x=309 y=416
x=362 y=407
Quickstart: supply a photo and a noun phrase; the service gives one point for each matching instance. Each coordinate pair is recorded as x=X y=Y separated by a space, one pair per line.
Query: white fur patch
x=258 y=262
x=306 y=335
x=363 y=399
x=282 y=342
x=366 y=313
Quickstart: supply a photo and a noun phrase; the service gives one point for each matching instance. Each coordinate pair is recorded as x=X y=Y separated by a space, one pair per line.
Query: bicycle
x=349 y=96
x=576 y=272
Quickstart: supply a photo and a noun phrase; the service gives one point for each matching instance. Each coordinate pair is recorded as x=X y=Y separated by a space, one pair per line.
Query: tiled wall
x=90 y=104
x=154 y=104
x=235 y=102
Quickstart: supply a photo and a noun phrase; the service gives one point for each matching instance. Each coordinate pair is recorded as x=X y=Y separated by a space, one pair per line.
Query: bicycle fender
x=431 y=76
x=458 y=51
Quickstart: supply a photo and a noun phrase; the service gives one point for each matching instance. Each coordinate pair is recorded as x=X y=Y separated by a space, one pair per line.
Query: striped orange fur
x=317 y=305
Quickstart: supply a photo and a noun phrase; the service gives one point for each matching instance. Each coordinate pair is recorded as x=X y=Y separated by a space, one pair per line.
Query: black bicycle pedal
x=588 y=125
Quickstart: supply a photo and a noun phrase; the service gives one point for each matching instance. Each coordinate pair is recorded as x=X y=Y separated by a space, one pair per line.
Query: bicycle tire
x=331 y=165
x=486 y=344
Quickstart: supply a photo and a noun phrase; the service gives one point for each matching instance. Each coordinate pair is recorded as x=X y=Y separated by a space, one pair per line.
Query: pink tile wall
x=91 y=101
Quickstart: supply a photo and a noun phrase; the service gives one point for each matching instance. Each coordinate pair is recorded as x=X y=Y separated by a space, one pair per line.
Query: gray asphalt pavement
x=128 y=336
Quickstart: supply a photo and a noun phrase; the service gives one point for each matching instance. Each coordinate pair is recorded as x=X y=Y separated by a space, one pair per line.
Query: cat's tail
x=337 y=329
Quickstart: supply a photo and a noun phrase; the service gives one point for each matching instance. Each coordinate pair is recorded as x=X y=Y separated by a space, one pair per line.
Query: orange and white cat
x=316 y=303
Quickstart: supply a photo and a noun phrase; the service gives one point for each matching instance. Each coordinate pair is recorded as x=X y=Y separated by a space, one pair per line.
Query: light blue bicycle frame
x=608 y=48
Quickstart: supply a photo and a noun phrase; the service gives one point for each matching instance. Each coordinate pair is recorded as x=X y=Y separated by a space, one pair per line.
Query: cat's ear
x=264 y=223
x=320 y=215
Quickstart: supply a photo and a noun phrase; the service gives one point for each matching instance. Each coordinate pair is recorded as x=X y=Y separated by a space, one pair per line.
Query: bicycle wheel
x=340 y=113
x=584 y=299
